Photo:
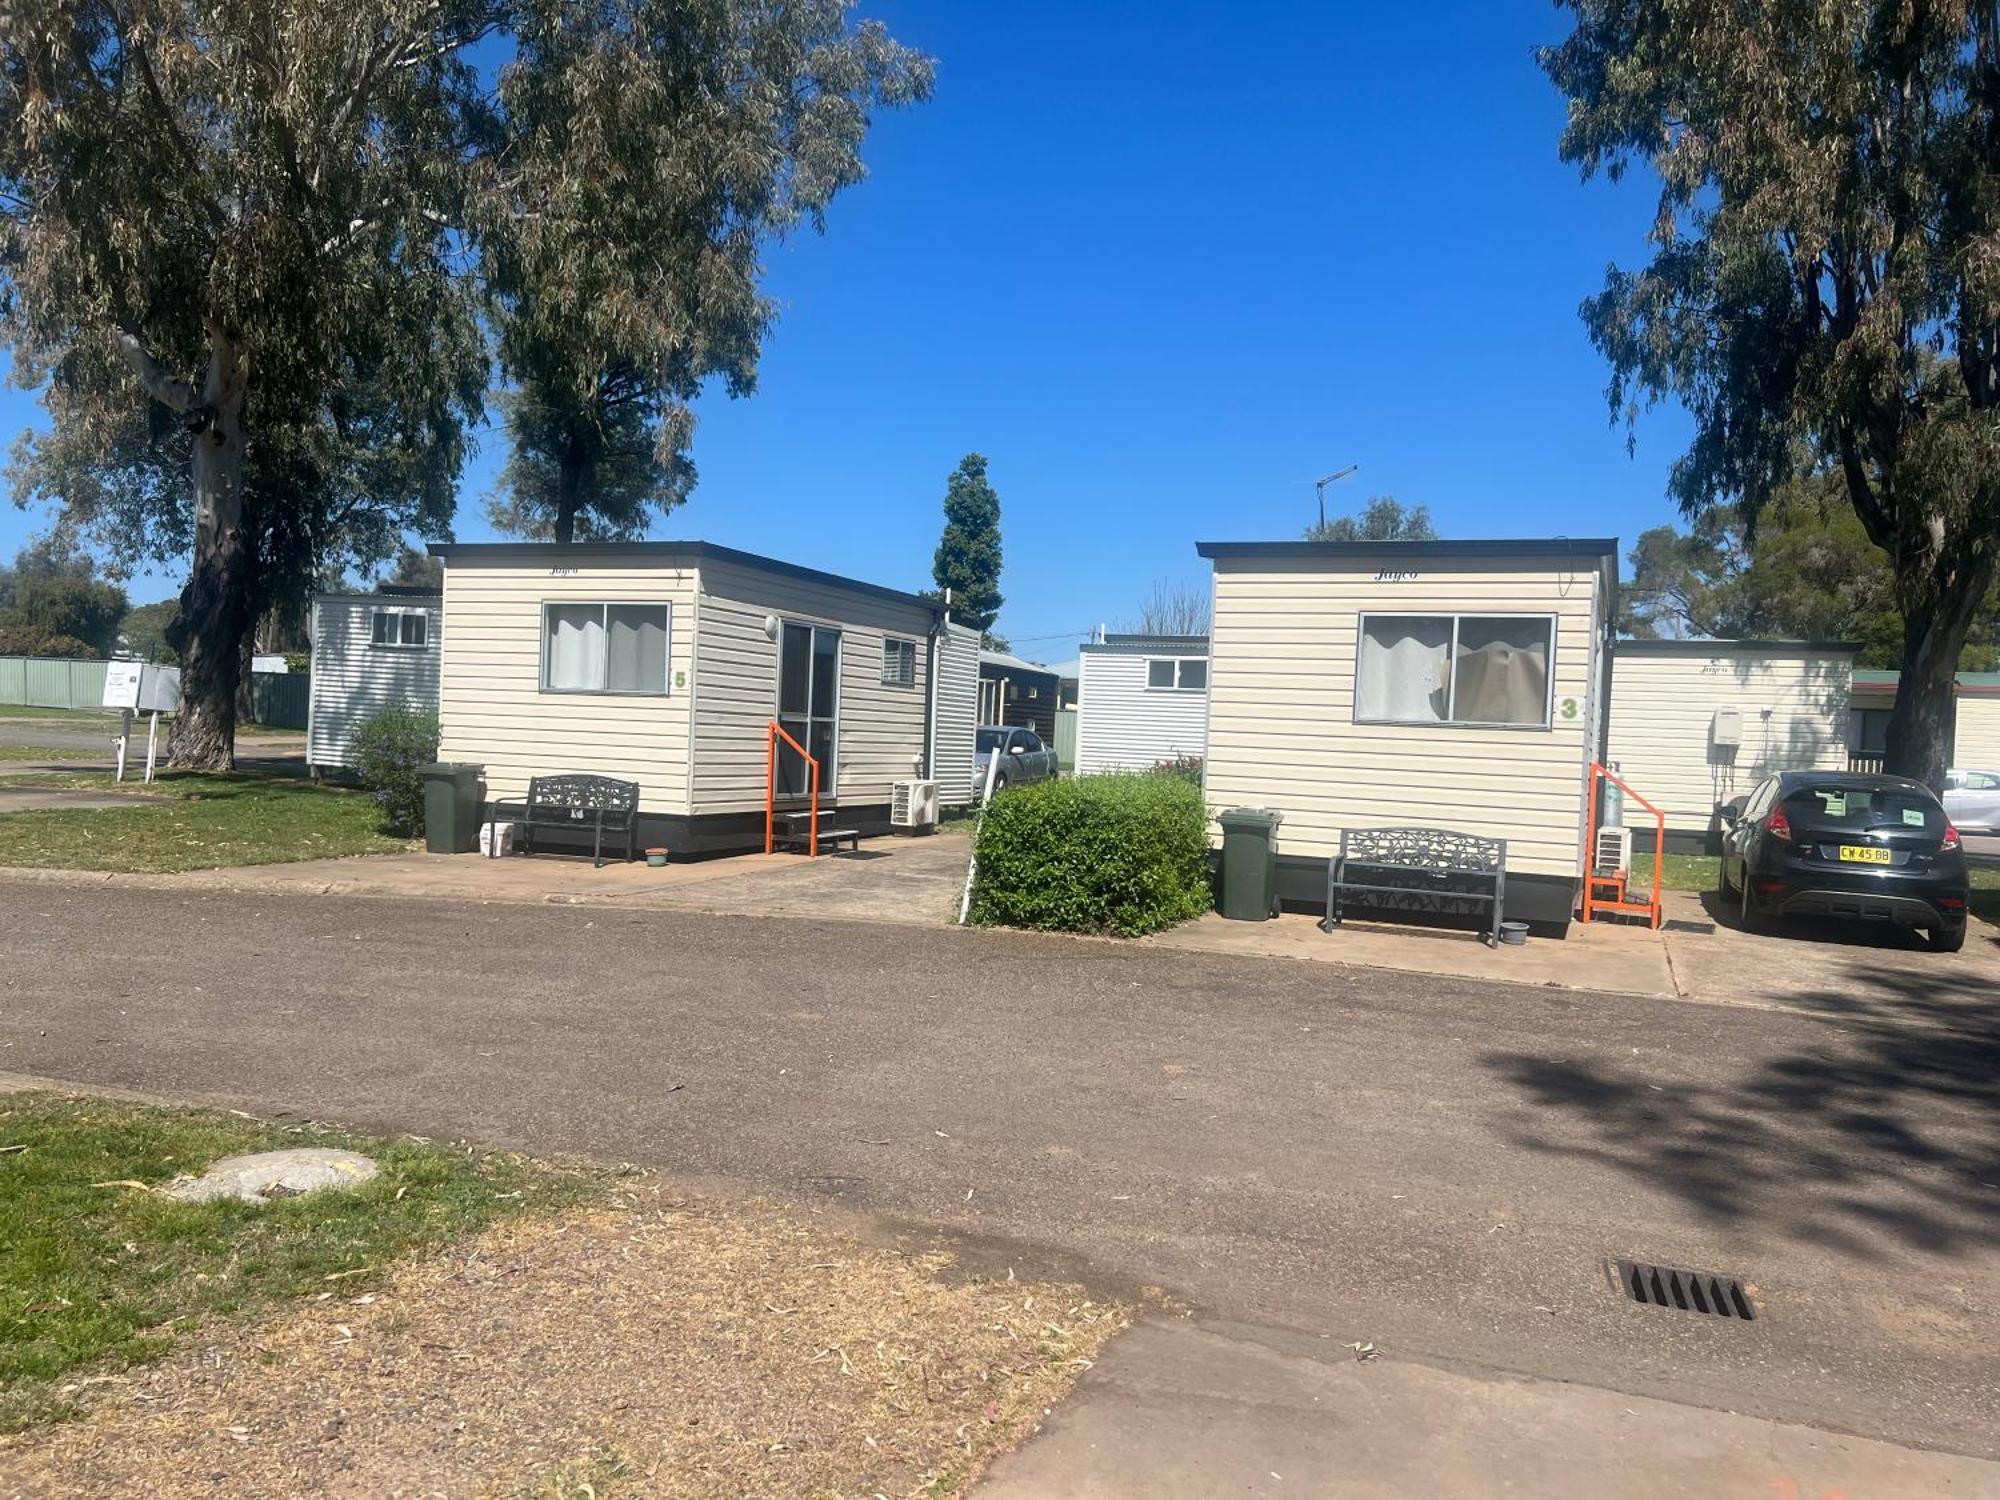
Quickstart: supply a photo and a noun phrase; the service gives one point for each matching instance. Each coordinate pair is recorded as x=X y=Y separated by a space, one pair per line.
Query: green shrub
x=390 y=748
x=1108 y=854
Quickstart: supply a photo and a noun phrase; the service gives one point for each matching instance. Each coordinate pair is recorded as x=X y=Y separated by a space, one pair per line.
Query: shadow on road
x=1884 y=1131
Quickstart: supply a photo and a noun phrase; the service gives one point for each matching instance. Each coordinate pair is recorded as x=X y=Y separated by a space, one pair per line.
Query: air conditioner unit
x=913 y=804
x=1727 y=728
x=1613 y=852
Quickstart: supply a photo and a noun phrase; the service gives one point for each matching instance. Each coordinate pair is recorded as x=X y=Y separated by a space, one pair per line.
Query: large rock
x=265 y=1175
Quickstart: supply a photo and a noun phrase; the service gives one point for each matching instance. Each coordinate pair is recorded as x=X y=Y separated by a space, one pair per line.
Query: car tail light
x=1950 y=840
x=1952 y=903
x=1778 y=825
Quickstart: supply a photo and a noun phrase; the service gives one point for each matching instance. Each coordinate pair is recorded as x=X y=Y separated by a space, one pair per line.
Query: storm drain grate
x=1685 y=1291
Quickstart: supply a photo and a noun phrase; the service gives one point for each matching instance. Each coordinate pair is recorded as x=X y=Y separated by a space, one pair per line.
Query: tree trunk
x=246 y=679
x=1937 y=609
x=215 y=609
x=569 y=490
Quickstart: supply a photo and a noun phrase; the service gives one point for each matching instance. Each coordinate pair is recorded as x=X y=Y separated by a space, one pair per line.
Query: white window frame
x=1451 y=658
x=1180 y=671
x=401 y=613
x=605 y=606
x=905 y=650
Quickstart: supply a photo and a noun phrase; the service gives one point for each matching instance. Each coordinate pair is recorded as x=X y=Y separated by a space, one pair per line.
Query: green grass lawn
x=1682 y=872
x=1697 y=872
x=96 y=1273
x=195 y=822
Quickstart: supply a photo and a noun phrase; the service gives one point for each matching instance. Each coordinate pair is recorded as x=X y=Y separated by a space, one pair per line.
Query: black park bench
x=1431 y=870
x=576 y=802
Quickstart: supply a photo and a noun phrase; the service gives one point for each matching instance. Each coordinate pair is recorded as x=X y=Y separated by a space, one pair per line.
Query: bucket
x=656 y=858
x=1514 y=934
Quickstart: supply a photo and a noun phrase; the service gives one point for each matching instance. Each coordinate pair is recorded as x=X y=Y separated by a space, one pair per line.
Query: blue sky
x=1163 y=263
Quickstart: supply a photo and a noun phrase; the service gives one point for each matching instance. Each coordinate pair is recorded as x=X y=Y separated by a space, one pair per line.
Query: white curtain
x=1502 y=672
x=576 y=647
x=1403 y=665
x=637 y=649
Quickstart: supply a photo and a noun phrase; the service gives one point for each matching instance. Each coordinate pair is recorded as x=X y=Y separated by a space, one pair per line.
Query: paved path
x=1324 y=1155
x=1186 y=1411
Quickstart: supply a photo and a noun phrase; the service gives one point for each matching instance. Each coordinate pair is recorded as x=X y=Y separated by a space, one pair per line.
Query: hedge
x=390 y=750
x=1105 y=854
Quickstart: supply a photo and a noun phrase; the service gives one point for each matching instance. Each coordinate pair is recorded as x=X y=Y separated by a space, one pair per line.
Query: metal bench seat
x=1430 y=870
x=577 y=802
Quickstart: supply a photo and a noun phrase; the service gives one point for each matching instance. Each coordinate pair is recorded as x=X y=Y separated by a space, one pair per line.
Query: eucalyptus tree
x=1824 y=285
x=653 y=152
x=228 y=253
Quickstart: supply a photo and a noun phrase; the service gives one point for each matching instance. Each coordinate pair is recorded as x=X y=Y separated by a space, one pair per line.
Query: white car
x=1972 y=800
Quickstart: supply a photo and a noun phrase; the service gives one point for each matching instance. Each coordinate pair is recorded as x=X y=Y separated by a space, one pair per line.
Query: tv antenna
x=1320 y=485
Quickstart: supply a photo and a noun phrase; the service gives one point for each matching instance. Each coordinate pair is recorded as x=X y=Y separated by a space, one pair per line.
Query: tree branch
x=1875 y=518
x=164 y=387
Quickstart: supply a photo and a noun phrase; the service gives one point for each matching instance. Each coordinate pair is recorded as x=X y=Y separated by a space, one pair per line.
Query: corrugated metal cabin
x=1455 y=684
x=665 y=663
x=1018 y=693
x=1141 y=700
x=369 y=652
x=1696 y=722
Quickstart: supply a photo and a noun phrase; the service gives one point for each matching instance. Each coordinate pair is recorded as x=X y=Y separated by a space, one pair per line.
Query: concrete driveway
x=1312 y=1156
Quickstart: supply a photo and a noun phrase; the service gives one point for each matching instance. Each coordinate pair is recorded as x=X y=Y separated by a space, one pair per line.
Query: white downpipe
x=972 y=864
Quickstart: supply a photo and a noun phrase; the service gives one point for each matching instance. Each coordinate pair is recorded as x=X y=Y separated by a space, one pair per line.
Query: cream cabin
x=1456 y=685
x=1697 y=722
x=666 y=663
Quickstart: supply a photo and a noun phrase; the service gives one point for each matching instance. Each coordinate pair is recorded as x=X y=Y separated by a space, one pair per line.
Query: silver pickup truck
x=1023 y=758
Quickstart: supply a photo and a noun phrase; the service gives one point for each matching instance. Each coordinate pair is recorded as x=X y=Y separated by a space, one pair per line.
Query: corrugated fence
x=279 y=698
x=51 y=682
x=1066 y=738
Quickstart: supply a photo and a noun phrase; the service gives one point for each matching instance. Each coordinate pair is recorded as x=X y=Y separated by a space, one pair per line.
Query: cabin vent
x=1613 y=852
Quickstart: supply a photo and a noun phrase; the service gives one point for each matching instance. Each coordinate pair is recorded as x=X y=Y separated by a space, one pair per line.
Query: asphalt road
x=1436 y=1166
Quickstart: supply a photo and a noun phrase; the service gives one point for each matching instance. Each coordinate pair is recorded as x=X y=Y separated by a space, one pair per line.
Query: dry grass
x=655 y=1347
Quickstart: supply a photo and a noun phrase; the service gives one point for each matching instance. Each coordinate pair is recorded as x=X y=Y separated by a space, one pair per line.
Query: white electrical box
x=1727 y=728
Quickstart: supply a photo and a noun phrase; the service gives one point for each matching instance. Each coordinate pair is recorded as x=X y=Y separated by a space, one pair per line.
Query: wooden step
x=828 y=838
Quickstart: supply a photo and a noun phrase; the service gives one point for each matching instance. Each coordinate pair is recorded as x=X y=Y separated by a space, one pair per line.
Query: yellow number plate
x=1864 y=854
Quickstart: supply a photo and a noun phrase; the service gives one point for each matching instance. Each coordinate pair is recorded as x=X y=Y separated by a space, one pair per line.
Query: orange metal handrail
x=772 y=735
x=1649 y=909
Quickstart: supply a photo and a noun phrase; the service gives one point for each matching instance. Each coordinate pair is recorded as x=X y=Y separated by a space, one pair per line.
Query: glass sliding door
x=808 y=705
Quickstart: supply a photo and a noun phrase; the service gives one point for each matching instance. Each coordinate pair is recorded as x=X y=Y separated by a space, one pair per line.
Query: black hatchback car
x=1841 y=844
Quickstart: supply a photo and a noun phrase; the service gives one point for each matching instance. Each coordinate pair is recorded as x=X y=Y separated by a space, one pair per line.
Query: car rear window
x=1848 y=809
